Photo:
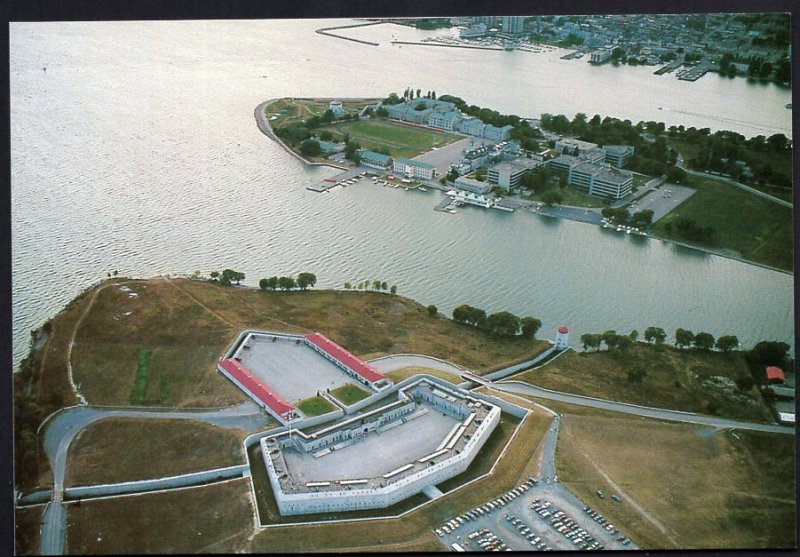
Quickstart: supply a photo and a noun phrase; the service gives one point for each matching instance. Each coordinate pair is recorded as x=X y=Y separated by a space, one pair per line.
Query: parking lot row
x=528 y=533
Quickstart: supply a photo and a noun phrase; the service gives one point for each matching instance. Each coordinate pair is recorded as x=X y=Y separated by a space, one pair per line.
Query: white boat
x=422 y=188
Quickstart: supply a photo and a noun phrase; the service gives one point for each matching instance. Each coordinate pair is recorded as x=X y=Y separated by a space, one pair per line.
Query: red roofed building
x=256 y=390
x=775 y=375
x=357 y=369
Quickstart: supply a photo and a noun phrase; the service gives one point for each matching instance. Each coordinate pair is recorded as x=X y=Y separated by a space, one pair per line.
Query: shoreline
x=265 y=127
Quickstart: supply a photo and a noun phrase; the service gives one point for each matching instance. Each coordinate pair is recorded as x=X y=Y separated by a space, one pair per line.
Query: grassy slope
x=758 y=229
x=127 y=449
x=400 y=374
x=709 y=490
x=188 y=325
x=215 y=518
x=604 y=375
x=26 y=530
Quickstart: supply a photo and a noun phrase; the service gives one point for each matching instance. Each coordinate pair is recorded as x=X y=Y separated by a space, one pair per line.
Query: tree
x=768 y=353
x=675 y=175
x=304 y=280
x=610 y=338
x=477 y=317
x=393 y=289
x=704 y=341
x=461 y=313
x=683 y=337
x=229 y=275
x=347 y=286
x=552 y=197
x=310 y=148
x=384 y=286
x=287 y=283
x=263 y=284
x=623 y=342
x=376 y=285
x=656 y=334
x=325 y=135
x=745 y=382
x=503 y=324
x=432 y=310
x=633 y=335
x=530 y=326
x=591 y=340
x=726 y=343
x=214 y=275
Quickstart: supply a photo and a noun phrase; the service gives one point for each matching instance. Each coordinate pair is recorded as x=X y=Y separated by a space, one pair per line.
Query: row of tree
x=640 y=219
x=498 y=324
x=303 y=281
x=683 y=339
x=376 y=285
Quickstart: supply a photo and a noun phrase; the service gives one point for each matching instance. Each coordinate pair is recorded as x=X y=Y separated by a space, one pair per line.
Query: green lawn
x=349 y=394
x=401 y=140
x=758 y=229
x=142 y=373
x=315 y=406
x=571 y=196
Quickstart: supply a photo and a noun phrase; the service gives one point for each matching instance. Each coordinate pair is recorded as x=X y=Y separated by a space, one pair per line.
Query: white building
x=414 y=169
x=509 y=174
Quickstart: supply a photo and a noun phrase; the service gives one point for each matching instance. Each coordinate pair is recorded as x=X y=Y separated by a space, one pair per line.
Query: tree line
x=656 y=335
x=500 y=324
x=229 y=276
x=376 y=285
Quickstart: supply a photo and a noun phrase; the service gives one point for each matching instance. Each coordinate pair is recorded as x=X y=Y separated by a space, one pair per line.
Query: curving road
x=400 y=361
x=65 y=426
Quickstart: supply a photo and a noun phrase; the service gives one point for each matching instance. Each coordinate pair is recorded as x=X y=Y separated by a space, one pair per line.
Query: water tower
x=562 y=338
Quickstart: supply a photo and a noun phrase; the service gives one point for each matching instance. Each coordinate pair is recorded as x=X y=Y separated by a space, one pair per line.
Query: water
x=136 y=150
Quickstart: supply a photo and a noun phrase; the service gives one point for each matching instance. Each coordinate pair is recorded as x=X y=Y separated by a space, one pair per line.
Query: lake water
x=137 y=150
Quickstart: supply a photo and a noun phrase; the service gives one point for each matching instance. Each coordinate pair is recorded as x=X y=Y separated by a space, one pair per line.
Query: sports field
x=401 y=140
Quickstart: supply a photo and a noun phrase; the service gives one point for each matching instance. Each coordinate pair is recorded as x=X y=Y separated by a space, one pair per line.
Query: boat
x=422 y=188
x=789 y=106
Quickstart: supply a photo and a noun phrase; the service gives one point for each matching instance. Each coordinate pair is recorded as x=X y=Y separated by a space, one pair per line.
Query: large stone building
x=509 y=174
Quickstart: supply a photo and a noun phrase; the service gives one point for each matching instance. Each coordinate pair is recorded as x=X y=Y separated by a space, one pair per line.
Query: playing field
x=401 y=140
x=315 y=406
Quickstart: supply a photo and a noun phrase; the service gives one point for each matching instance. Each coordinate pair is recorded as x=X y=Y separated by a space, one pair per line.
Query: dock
x=431 y=43
x=674 y=65
x=694 y=73
x=329 y=183
x=326 y=31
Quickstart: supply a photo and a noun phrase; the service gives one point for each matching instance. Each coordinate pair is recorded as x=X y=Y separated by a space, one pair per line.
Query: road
x=400 y=361
x=66 y=425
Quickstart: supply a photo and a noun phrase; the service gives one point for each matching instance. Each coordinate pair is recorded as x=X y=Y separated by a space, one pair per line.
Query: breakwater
x=448 y=45
x=327 y=31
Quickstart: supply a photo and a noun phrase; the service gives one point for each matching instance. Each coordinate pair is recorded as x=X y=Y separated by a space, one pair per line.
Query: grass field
x=349 y=394
x=142 y=373
x=406 y=372
x=315 y=406
x=27 y=523
x=401 y=140
x=571 y=196
x=707 y=489
x=209 y=519
x=756 y=228
x=291 y=110
x=414 y=531
x=676 y=379
x=126 y=449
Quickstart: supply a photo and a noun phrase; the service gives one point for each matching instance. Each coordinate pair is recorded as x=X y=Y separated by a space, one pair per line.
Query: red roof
x=775 y=374
x=331 y=348
x=563 y=330
x=256 y=387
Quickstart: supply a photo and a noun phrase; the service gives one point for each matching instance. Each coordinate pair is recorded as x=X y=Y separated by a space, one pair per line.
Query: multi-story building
x=600 y=56
x=513 y=24
x=473 y=32
x=618 y=155
x=444 y=120
x=475 y=158
x=569 y=146
x=414 y=169
x=601 y=181
x=379 y=161
x=472 y=185
x=497 y=134
x=471 y=126
x=508 y=174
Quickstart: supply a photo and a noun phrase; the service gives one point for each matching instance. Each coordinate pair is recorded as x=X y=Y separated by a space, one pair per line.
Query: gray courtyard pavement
x=294 y=371
x=377 y=453
x=443 y=157
x=659 y=204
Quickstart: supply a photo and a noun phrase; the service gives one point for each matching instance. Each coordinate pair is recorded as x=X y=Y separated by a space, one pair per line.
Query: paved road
x=63 y=428
x=647 y=412
x=400 y=361
x=740 y=186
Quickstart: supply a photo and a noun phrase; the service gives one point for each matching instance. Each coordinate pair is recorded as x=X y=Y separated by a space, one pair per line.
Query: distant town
x=748 y=45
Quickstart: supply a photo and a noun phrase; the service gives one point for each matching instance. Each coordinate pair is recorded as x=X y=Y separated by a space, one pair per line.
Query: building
x=336 y=107
x=576 y=147
x=509 y=174
x=600 y=56
x=473 y=32
x=329 y=147
x=497 y=134
x=471 y=126
x=513 y=24
x=618 y=155
x=352 y=464
x=471 y=198
x=472 y=185
x=353 y=366
x=265 y=397
x=444 y=120
x=475 y=158
x=378 y=161
x=562 y=338
x=593 y=178
x=414 y=169
x=775 y=374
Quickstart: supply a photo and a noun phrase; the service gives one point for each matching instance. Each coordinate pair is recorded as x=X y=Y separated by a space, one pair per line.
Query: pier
x=431 y=43
x=329 y=183
x=674 y=65
x=694 y=73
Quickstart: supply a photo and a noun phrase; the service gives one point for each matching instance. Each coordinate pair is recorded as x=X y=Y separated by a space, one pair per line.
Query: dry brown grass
x=708 y=489
x=214 y=518
x=128 y=449
x=27 y=522
x=675 y=379
x=406 y=372
x=416 y=527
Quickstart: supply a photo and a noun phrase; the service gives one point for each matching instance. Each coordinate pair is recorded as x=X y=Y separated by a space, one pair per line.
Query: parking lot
x=662 y=200
x=536 y=516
